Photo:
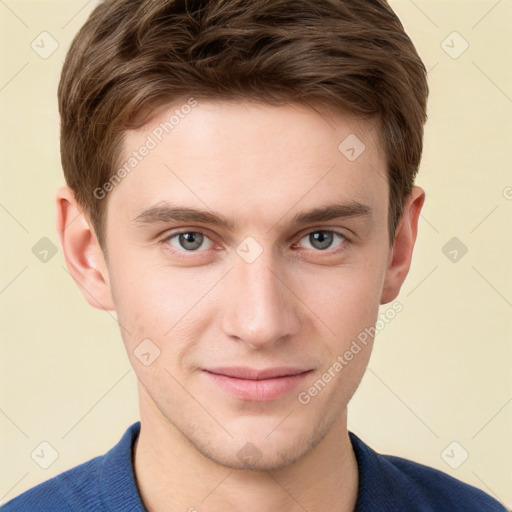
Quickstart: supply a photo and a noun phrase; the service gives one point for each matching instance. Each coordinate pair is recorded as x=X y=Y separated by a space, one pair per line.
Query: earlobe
x=403 y=246
x=82 y=252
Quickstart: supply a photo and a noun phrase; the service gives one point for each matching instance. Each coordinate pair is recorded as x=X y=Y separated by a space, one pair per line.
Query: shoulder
x=439 y=490
x=407 y=485
x=104 y=483
x=68 y=491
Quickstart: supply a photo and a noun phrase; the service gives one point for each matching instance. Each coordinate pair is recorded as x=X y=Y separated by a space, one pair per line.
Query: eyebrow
x=166 y=212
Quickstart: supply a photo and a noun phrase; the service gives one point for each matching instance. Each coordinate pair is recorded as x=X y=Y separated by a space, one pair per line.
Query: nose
x=260 y=309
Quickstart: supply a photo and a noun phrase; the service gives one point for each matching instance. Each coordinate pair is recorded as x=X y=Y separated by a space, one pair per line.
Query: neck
x=173 y=476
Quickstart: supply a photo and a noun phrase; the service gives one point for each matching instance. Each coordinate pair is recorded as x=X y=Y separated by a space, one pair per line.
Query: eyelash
x=180 y=253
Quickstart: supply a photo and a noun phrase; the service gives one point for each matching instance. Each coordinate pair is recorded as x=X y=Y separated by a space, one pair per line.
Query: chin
x=253 y=459
x=263 y=452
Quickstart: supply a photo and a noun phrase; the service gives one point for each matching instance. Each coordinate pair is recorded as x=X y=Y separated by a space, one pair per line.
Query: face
x=235 y=317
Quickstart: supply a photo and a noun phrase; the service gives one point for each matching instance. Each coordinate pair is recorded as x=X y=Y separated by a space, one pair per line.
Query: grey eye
x=322 y=239
x=188 y=240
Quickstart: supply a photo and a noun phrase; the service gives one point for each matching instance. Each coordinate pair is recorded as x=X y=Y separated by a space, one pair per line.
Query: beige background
x=441 y=370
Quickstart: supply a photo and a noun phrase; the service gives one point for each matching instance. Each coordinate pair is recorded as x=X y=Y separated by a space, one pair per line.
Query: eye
x=319 y=240
x=187 y=240
x=323 y=239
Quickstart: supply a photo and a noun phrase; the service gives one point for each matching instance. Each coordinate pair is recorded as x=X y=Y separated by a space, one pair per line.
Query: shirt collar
x=118 y=488
x=117 y=482
x=377 y=490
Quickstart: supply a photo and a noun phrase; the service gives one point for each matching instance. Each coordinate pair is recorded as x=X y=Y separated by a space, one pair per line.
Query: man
x=240 y=190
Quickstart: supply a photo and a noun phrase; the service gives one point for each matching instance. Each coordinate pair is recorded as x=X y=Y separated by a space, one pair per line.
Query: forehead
x=247 y=158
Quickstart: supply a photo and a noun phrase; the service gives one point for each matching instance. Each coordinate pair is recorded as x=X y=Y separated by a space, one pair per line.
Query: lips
x=253 y=374
x=257 y=384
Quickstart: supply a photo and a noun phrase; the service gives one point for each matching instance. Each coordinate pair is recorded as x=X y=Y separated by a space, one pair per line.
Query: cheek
x=167 y=305
x=349 y=306
x=172 y=305
x=345 y=299
x=149 y=310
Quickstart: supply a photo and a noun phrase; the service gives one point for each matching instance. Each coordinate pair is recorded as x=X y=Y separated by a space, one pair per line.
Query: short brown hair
x=135 y=55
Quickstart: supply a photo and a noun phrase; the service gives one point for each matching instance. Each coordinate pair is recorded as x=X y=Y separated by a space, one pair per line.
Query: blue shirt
x=386 y=484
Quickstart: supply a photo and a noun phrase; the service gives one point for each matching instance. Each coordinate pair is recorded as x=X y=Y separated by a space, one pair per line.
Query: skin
x=297 y=304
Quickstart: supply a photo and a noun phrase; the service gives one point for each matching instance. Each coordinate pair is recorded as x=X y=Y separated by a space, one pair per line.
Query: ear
x=403 y=245
x=82 y=251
